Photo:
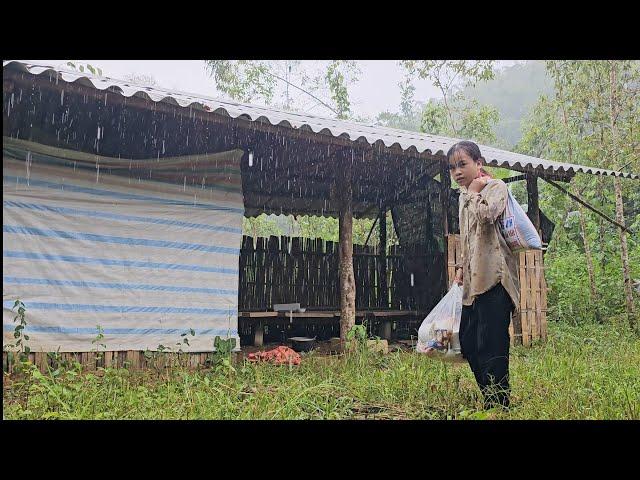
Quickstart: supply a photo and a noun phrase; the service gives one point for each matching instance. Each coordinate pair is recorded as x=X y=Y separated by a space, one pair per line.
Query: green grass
x=584 y=372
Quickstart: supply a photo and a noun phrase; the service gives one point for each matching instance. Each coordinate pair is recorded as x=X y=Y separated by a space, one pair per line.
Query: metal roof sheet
x=357 y=132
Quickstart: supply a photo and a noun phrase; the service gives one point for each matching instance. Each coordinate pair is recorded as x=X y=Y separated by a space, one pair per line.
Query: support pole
x=384 y=292
x=347 y=278
x=445 y=187
x=258 y=334
x=533 y=210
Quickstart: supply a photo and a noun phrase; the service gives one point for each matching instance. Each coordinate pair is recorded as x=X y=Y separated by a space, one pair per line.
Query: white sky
x=376 y=91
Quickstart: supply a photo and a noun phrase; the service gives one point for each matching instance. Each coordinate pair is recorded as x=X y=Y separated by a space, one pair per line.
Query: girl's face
x=463 y=168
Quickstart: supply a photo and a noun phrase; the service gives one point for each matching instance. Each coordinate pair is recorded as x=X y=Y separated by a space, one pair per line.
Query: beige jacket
x=486 y=258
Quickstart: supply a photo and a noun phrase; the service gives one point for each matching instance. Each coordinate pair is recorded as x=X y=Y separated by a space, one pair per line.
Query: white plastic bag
x=439 y=332
x=517 y=229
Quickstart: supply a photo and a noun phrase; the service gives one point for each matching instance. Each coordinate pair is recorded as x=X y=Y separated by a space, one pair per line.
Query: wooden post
x=258 y=334
x=387 y=324
x=533 y=210
x=445 y=187
x=347 y=278
x=384 y=292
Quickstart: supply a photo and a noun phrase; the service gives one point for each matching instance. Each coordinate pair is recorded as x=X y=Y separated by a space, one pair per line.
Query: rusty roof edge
x=404 y=139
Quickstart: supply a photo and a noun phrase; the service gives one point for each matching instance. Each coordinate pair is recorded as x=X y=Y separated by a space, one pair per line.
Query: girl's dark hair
x=470 y=149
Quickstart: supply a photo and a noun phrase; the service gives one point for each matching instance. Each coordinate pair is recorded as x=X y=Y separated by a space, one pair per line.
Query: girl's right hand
x=458 y=278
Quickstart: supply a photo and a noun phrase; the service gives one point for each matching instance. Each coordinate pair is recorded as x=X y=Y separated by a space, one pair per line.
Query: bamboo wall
x=303 y=270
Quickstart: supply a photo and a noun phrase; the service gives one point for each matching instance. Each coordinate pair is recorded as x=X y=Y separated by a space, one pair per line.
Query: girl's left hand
x=478 y=184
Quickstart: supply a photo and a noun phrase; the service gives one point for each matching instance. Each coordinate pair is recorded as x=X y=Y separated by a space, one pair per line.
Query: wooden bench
x=260 y=319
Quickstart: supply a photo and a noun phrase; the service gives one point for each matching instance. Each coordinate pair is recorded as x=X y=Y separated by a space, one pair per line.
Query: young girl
x=487 y=273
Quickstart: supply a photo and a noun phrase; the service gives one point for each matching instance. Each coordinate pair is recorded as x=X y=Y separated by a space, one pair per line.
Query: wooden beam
x=593 y=209
x=533 y=210
x=346 y=274
x=371 y=231
x=517 y=178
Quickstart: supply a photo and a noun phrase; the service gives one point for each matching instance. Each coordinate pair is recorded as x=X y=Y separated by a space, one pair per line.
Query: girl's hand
x=478 y=184
x=458 y=278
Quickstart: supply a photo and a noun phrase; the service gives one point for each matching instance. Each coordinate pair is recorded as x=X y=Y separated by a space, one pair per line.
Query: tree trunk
x=592 y=277
x=618 y=191
x=587 y=250
x=624 y=253
x=347 y=279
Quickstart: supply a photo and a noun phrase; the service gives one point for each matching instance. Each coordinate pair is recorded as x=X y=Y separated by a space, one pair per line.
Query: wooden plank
x=511 y=333
x=41 y=361
x=531 y=279
x=539 y=289
x=392 y=313
x=258 y=314
x=108 y=359
x=524 y=301
x=451 y=259
x=132 y=358
x=543 y=308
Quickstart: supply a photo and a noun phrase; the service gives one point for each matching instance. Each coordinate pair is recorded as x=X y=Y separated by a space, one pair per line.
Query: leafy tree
x=289 y=82
x=454 y=115
x=84 y=67
x=592 y=119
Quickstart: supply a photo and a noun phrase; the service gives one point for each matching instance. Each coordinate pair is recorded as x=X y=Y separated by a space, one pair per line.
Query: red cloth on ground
x=278 y=356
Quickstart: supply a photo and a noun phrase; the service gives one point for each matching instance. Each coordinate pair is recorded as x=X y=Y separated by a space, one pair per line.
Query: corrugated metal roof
x=357 y=132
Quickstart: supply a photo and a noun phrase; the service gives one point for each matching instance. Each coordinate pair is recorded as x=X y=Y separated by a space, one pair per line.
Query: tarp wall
x=90 y=241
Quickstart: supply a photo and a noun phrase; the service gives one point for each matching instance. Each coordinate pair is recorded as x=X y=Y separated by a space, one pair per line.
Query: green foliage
x=586 y=372
x=336 y=80
x=306 y=226
x=21 y=339
x=220 y=359
x=243 y=80
x=356 y=338
x=81 y=67
x=291 y=82
x=575 y=125
x=98 y=342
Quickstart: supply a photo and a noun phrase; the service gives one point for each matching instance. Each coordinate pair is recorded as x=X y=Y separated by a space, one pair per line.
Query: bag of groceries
x=517 y=229
x=439 y=333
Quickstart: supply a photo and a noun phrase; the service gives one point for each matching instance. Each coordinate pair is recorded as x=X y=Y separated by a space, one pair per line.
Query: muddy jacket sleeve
x=489 y=204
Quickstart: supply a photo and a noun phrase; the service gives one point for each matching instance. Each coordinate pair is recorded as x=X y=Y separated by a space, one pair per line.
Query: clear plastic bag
x=517 y=229
x=439 y=332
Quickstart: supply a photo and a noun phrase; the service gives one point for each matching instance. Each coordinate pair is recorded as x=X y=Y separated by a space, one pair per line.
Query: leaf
x=26 y=337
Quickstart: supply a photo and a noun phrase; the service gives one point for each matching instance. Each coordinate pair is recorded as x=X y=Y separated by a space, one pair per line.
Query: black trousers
x=484 y=340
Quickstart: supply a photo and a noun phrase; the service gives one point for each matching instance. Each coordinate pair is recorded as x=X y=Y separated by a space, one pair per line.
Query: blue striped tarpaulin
x=146 y=260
